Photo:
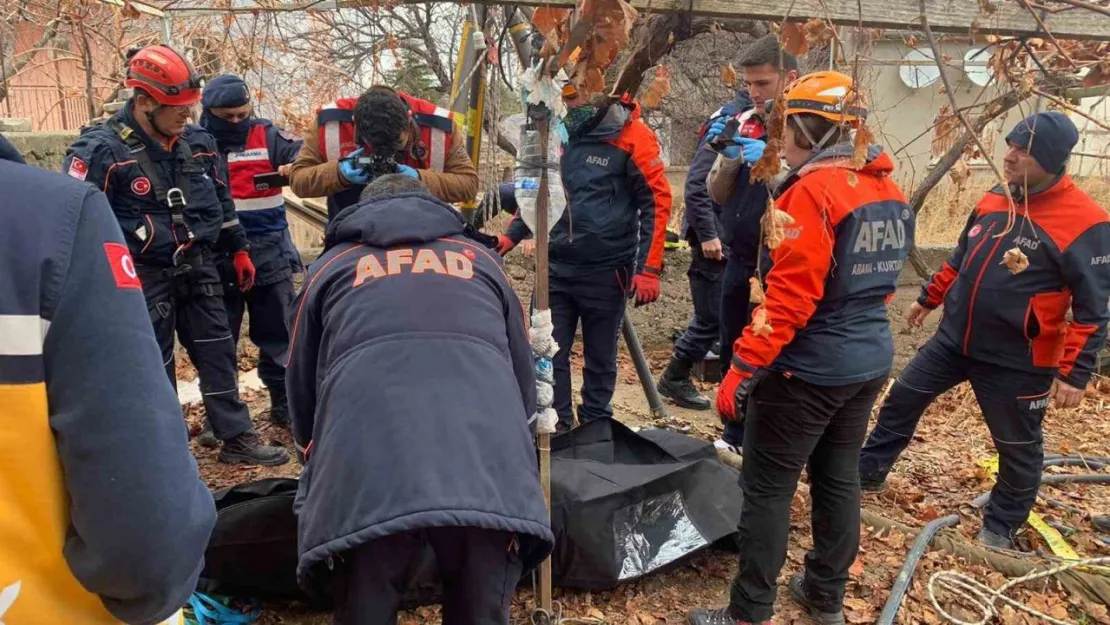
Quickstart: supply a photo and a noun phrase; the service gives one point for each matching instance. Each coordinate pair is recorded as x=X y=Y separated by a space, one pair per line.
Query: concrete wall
x=42 y=149
x=901 y=117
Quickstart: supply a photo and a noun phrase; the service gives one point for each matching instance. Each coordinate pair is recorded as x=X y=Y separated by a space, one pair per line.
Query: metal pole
x=643 y=370
x=542 y=303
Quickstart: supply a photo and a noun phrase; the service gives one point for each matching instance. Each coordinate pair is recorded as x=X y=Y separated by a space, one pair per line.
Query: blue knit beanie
x=1056 y=136
x=226 y=91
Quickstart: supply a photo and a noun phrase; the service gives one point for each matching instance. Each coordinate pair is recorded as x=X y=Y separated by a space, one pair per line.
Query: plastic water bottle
x=526 y=177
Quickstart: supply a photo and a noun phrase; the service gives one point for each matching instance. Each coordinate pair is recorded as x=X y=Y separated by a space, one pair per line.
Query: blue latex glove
x=351 y=172
x=405 y=170
x=752 y=149
x=716 y=129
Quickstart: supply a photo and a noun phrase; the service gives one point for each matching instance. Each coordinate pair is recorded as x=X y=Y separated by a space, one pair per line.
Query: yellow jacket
x=103 y=518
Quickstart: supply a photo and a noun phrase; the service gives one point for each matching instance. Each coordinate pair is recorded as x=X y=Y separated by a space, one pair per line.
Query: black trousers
x=598 y=301
x=188 y=300
x=704 y=330
x=268 y=305
x=479 y=569
x=791 y=425
x=735 y=315
x=1013 y=404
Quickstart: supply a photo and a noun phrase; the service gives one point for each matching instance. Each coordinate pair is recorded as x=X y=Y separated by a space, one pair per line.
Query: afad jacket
x=1020 y=321
x=618 y=199
x=832 y=276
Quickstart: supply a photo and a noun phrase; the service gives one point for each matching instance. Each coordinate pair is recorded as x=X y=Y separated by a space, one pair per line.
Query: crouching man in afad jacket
x=410 y=385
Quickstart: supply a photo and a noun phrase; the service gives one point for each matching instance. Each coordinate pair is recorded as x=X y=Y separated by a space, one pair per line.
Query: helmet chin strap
x=153 y=124
x=817 y=145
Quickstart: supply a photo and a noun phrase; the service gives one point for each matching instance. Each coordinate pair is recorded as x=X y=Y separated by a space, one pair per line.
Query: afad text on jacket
x=830 y=280
x=1020 y=321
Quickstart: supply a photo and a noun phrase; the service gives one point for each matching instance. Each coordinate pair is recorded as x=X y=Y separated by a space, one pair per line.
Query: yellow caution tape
x=1056 y=542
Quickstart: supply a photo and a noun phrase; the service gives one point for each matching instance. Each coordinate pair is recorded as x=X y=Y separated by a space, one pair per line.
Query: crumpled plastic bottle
x=526 y=176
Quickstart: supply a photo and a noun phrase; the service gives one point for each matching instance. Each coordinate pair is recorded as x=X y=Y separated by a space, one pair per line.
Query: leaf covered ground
x=937 y=476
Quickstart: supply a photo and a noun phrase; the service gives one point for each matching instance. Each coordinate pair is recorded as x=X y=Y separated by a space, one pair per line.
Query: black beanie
x=1056 y=136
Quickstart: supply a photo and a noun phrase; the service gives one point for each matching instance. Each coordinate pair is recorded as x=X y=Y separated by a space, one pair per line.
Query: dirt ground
x=938 y=475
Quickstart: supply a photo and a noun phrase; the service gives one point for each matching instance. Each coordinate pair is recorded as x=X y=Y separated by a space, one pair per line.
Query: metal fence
x=49 y=107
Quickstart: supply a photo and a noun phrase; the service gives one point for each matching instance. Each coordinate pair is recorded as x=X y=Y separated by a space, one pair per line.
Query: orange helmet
x=164 y=75
x=826 y=94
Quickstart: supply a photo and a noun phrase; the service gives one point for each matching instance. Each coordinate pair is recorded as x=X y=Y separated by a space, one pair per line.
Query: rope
x=983 y=598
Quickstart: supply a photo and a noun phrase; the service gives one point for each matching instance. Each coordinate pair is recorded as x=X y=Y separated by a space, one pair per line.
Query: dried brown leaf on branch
x=769 y=165
x=760 y=327
x=1097 y=76
x=729 y=76
x=755 y=291
x=792 y=36
x=818 y=32
x=774 y=222
x=659 y=88
x=862 y=144
x=547 y=21
x=1015 y=260
x=612 y=27
x=960 y=174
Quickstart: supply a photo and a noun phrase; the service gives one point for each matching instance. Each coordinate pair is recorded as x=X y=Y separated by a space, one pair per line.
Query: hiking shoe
x=868 y=485
x=247 y=448
x=720 y=616
x=676 y=386
x=1101 y=522
x=797 y=590
x=988 y=538
x=207 y=438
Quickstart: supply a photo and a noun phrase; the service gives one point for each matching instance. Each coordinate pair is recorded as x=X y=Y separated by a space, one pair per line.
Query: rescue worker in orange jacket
x=1005 y=326
x=382 y=131
x=817 y=353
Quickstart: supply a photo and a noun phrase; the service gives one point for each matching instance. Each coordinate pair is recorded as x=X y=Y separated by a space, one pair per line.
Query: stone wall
x=42 y=149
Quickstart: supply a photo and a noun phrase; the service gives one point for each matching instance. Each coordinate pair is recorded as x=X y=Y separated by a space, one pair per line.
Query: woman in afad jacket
x=818 y=351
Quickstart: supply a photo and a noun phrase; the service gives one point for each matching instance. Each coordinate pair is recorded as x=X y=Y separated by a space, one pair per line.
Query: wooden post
x=543 y=125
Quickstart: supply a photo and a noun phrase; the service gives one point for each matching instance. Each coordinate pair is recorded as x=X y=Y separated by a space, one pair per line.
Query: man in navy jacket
x=1007 y=291
x=702 y=228
x=411 y=384
x=607 y=246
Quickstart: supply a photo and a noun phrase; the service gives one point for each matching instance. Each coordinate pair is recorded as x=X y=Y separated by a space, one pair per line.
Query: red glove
x=244 y=268
x=646 y=288
x=733 y=391
x=504 y=245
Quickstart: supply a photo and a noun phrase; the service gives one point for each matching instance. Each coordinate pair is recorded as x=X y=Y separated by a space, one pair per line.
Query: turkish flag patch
x=123 y=267
x=78 y=169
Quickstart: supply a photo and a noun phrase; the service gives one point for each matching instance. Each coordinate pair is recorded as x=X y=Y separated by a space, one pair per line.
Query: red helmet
x=164 y=75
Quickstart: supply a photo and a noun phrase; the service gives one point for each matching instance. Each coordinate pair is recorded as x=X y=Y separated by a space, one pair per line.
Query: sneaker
x=720 y=616
x=988 y=538
x=207 y=438
x=247 y=448
x=676 y=386
x=869 y=485
x=797 y=591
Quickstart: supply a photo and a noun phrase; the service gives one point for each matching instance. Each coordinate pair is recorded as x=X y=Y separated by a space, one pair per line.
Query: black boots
x=247 y=448
x=676 y=386
x=279 y=405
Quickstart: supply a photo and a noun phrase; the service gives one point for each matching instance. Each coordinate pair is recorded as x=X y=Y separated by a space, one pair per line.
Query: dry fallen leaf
x=755 y=291
x=792 y=35
x=729 y=76
x=1015 y=260
x=659 y=88
x=856 y=571
x=759 y=323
